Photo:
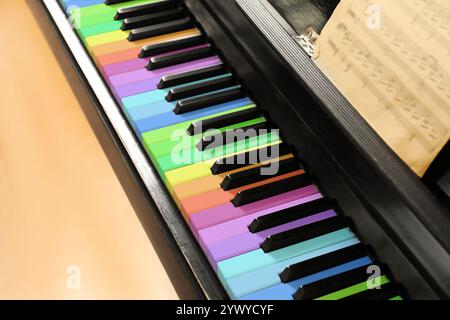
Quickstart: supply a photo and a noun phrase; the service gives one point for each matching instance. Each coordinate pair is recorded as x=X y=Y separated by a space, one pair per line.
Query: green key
x=357 y=288
x=103 y=8
x=101 y=13
x=99 y=29
x=191 y=156
x=257 y=259
x=166 y=147
x=163 y=134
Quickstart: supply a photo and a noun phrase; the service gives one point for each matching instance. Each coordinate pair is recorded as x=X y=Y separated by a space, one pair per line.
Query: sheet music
x=391 y=59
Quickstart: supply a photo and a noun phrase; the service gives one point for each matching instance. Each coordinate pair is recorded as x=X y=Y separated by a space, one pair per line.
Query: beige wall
x=60 y=202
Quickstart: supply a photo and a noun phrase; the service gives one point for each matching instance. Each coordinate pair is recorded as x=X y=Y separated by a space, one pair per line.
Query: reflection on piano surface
x=266 y=236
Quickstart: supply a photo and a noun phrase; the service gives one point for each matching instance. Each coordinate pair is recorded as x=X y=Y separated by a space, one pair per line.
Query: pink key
x=225 y=230
x=138 y=63
x=134 y=88
x=247 y=242
x=125 y=66
x=226 y=212
x=145 y=75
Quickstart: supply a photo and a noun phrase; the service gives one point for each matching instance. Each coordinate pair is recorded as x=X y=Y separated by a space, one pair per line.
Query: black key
x=222 y=121
x=248 y=158
x=332 y=284
x=272 y=189
x=180 y=57
x=171 y=45
x=160 y=29
x=208 y=100
x=110 y=2
x=297 y=235
x=140 y=10
x=243 y=178
x=386 y=292
x=324 y=262
x=191 y=76
x=152 y=18
x=200 y=88
x=290 y=214
x=231 y=136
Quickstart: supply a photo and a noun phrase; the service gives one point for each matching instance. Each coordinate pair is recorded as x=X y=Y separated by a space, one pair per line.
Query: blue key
x=269 y=275
x=164 y=115
x=285 y=291
x=80 y=3
x=140 y=106
x=257 y=259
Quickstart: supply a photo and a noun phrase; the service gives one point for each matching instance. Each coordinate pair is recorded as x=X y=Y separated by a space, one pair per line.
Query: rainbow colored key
x=213 y=147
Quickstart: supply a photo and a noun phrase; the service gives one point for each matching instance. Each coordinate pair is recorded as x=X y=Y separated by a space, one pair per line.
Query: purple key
x=150 y=84
x=125 y=66
x=145 y=75
x=226 y=212
x=247 y=242
x=231 y=228
x=136 y=88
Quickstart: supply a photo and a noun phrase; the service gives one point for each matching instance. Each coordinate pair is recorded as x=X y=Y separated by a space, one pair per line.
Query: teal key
x=137 y=105
x=253 y=260
x=269 y=276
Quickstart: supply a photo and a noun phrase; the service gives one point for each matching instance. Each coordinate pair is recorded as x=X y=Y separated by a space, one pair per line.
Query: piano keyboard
x=266 y=236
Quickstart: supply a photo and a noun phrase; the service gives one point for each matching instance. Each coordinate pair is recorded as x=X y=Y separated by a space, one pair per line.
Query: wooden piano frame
x=393 y=210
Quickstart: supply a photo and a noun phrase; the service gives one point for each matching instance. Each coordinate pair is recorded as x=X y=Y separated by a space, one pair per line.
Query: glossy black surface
x=209 y=99
x=153 y=18
x=142 y=9
x=173 y=45
x=225 y=120
x=290 y=214
x=243 y=178
x=395 y=213
x=191 y=76
x=160 y=29
x=437 y=177
x=341 y=281
x=206 y=86
x=301 y=14
x=254 y=156
x=240 y=134
x=324 y=262
x=271 y=189
x=304 y=233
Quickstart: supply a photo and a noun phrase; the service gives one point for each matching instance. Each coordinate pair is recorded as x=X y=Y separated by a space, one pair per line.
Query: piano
x=195 y=101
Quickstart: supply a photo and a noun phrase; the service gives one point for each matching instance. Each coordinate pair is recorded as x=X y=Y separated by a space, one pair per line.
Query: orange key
x=125 y=45
x=218 y=196
x=211 y=182
x=118 y=56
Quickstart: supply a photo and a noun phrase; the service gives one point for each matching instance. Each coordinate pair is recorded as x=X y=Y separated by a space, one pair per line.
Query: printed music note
x=396 y=75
